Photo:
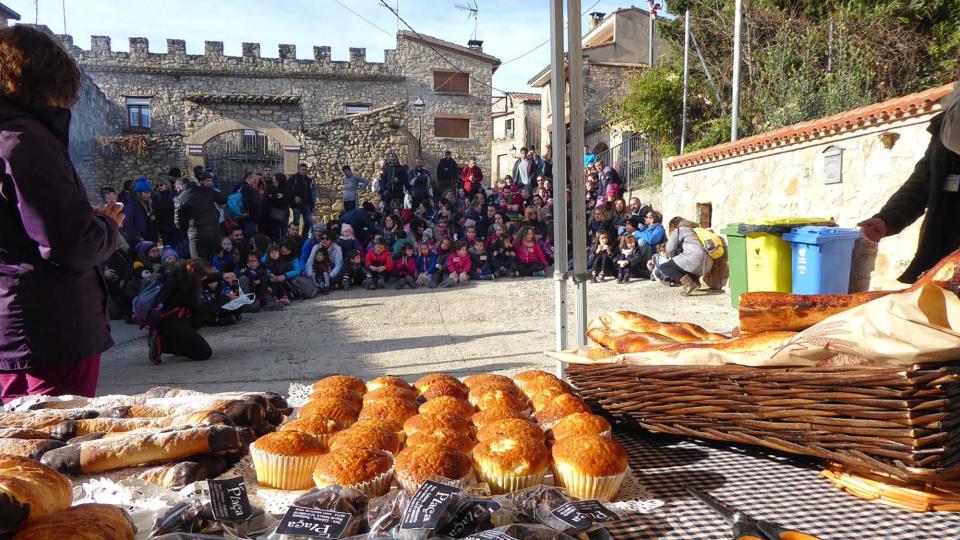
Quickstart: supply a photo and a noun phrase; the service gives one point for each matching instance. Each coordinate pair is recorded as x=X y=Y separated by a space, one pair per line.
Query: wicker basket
x=900 y=422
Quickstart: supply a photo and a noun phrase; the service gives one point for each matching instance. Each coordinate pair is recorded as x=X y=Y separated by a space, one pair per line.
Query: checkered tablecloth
x=763 y=485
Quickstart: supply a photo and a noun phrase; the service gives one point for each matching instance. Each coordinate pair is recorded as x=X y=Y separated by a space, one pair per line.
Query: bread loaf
x=178 y=475
x=767 y=311
x=142 y=448
x=82 y=522
x=763 y=341
x=69 y=429
x=28 y=448
x=29 y=491
x=22 y=433
x=44 y=418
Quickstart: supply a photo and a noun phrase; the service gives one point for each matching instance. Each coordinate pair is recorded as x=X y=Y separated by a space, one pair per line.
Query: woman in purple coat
x=53 y=318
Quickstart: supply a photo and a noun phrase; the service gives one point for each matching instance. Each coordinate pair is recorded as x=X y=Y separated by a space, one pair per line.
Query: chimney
x=595 y=19
x=475 y=44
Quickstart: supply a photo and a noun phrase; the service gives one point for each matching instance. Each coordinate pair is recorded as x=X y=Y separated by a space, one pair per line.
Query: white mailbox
x=833 y=165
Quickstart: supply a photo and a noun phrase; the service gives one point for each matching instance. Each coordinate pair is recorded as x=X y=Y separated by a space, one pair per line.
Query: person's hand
x=113 y=210
x=296 y=200
x=230 y=276
x=873 y=229
x=110 y=274
x=233 y=296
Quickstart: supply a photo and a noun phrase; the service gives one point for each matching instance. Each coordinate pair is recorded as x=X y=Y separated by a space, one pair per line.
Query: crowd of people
x=258 y=248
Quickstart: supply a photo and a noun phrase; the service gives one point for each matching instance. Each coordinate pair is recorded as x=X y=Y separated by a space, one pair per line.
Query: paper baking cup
x=411 y=486
x=376 y=487
x=500 y=484
x=604 y=488
x=283 y=472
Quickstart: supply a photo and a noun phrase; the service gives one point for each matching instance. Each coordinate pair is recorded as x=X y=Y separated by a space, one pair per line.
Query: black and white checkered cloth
x=762 y=485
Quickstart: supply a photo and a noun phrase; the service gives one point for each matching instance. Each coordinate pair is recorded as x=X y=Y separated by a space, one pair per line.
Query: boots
x=447 y=283
x=689 y=285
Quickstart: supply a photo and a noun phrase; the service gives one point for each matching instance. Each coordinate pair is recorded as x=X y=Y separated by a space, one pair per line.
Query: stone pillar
x=139 y=48
x=321 y=55
x=213 y=50
x=177 y=49
x=100 y=46
x=358 y=55
x=288 y=52
x=251 y=52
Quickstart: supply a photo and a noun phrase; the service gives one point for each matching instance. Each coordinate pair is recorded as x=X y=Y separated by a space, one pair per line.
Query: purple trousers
x=78 y=379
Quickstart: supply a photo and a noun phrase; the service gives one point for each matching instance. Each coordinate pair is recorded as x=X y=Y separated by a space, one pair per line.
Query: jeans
x=349 y=205
x=673 y=273
x=307 y=213
x=203 y=249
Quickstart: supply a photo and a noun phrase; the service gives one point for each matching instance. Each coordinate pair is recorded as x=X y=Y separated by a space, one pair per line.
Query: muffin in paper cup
x=507 y=483
x=375 y=487
x=285 y=459
x=367 y=470
x=416 y=464
x=411 y=486
x=510 y=462
x=589 y=466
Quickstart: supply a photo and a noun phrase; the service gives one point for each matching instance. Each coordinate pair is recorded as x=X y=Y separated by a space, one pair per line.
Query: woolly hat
x=469 y=223
x=144 y=246
x=428 y=233
x=168 y=252
x=142 y=185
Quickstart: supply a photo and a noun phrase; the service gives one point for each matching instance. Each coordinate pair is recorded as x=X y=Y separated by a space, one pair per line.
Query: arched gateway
x=231 y=146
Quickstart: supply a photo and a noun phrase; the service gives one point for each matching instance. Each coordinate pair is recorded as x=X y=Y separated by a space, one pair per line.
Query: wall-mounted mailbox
x=833 y=165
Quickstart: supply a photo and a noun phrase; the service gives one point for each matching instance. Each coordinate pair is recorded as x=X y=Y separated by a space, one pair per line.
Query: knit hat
x=168 y=252
x=142 y=185
x=320 y=226
x=469 y=223
x=346 y=228
x=428 y=233
x=144 y=247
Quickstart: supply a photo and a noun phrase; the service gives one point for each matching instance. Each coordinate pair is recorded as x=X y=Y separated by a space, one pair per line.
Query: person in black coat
x=302 y=192
x=447 y=171
x=934 y=187
x=170 y=234
x=250 y=218
x=393 y=181
x=277 y=206
x=195 y=212
x=174 y=329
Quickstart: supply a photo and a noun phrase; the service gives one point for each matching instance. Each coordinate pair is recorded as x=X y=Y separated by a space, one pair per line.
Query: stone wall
x=92 y=116
x=125 y=157
x=789 y=182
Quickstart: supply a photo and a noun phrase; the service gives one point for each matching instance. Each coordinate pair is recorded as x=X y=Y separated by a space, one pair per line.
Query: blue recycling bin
x=821 y=259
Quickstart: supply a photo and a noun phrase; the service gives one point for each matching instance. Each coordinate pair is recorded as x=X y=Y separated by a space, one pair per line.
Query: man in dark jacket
x=447 y=173
x=393 y=181
x=934 y=186
x=195 y=211
x=420 y=187
x=53 y=300
x=302 y=190
x=250 y=219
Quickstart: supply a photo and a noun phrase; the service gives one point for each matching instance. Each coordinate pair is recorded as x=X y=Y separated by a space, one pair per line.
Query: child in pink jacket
x=530 y=258
x=458 y=264
x=406 y=268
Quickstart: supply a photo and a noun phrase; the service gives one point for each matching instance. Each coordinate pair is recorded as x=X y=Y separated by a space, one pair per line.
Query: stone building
x=143 y=112
x=615 y=45
x=516 y=123
x=7 y=14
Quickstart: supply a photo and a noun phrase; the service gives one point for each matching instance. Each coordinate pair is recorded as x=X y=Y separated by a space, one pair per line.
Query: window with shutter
x=454 y=82
x=455 y=128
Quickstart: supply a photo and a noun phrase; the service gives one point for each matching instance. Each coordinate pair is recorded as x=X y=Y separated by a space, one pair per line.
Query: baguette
x=178 y=475
x=142 y=448
x=22 y=433
x=44 y=419
x=68 y=429
x=767 y=311
x=28 y=448
x=29 y=491
x=240 y=412
x=82 y=522
x=763 y=341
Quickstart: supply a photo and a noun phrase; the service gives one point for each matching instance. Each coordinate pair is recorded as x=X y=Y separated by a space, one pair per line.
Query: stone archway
x=291 y=146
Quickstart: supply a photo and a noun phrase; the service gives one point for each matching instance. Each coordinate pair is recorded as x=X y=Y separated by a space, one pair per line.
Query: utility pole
x=651 y=30
x=577 y=186
x=557 y=87
x=735 y=113
x=686 y=79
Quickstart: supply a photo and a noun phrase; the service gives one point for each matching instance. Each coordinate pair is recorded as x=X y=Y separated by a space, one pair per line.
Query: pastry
x=428 y=421
x=508 y=463
x=480 y=389
x=285 y=459
x=389 y=408
x=343 y=393
x=489 y=416
x=417 y=464
x=375 y=438
x=511 y=427
x=448 y=404
x=390 y=392
x=341 y=381
x=522 y=379
x=364 y=469
x=383 y=423
x=589 y=466
x=500 y=398
x=28 y=448
x=484 y=378
x=69 y=429
x=178 y=475
x=442 y=436
x=84 y=521
x=320 y=427
x=22 y=433
x=581 y=423
x=444 y=387
x=424 y=382
x=387 y=380
x=29 y=491
x=560 y=407
x=334 y=408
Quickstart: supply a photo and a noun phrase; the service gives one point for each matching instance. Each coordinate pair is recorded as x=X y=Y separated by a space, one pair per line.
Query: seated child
x=631 y=262
x=227 y=258
x=254 y=278
x=530 y=258
x=379 y=263
x=428 y=270
x=458 y=264
x=603 y=257
x=406 y=268
x=319 y=270
x=277 y=268
x=354 y=273
x=481 y=265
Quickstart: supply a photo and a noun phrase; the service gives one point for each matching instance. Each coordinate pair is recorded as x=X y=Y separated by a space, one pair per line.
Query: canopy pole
x=578 y=189
x=557 y=90
x=735 y=113
x=686 y=79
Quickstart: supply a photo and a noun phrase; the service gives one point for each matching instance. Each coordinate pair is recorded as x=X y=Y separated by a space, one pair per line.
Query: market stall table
x=762 y=484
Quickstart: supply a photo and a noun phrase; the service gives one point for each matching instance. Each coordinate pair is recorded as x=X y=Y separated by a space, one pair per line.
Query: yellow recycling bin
x=770 y=258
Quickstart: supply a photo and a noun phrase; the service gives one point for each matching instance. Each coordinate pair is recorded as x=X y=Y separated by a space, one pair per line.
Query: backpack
x=147 y=301
x=711 y=242
x=235 y=204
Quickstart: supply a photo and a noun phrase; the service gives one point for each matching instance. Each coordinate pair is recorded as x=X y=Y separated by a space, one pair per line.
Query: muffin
x=444 y=387
x=417 y=464
x=511 y=427
x=390 y=392
x=502 y=399
x=448 y=404
x=320 y=427
x=337 y=409
x=389 y=408
x=387 y=380
x=544 y=396
x=285 y=459
x=428 y=421
x=508 y=463
x=589 y=466
x=343 y=393
x=524 y=378
x=489 y=416
x=354 y=384
x=484 y=378
x=442 y=436
x=364 y=469
x=490 y=386
x=383 y=423
x=581 y=423
x=559 y=408
x=375 y=438
x=424 y=382
x=539 y=384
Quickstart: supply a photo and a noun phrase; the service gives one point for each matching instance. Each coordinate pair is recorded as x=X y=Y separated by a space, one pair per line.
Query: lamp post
x=418 y=107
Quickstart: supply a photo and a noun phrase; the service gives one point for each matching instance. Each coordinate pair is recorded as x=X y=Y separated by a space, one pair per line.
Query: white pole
x=735 y=113
x=577 y=188
x=651 y=29
x=557 y=87
x=686 y=79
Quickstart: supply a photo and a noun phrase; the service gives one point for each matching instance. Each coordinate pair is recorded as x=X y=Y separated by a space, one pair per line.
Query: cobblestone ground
x=502 y=326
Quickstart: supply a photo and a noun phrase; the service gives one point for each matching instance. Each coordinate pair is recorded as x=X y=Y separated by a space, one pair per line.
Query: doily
x=298 y=394
x=142 y=500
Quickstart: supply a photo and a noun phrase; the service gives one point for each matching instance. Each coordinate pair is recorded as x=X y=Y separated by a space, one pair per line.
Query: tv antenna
x=473 y=12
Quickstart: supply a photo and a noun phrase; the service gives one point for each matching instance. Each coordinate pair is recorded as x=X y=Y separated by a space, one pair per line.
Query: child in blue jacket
x=427 y=267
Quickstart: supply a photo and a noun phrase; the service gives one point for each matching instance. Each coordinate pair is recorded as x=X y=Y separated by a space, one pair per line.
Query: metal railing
x=637 y=162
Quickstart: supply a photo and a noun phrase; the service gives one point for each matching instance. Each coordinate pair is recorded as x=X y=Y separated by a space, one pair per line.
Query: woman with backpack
x=173 y=319
x=689 y=260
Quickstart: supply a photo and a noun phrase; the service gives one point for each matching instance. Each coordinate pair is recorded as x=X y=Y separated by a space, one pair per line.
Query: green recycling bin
x=737 y=259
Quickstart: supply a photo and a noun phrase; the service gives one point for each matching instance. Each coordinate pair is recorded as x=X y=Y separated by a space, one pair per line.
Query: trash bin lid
x=780 y=226
x=820 y=235
x=731 y=230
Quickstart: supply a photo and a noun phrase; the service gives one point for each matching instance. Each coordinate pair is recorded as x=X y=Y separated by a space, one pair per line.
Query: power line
x=544 y=42
x=364 y=19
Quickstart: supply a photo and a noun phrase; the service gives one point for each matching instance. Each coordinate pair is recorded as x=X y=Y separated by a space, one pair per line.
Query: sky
x=509 y=28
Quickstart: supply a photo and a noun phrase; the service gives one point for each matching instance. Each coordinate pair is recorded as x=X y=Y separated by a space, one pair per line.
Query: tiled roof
x=524 y=96
x=242 y=98
x=864 y=117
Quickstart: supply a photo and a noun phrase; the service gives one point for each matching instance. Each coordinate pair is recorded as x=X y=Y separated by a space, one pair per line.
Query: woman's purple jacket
x=52 y=294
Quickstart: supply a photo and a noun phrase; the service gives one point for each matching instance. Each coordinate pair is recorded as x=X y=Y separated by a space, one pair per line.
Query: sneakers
x=447 y=283
x=153 y=342
x=432 y=284
x=601 y=276
x=401 y=284
x=619 y=279
x=381 y=283
x=539 y=273
x=689 y=285
x=626 y=278
x=593 y=279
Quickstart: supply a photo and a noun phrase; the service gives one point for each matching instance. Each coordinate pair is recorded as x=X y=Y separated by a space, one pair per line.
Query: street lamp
x=418 y=107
